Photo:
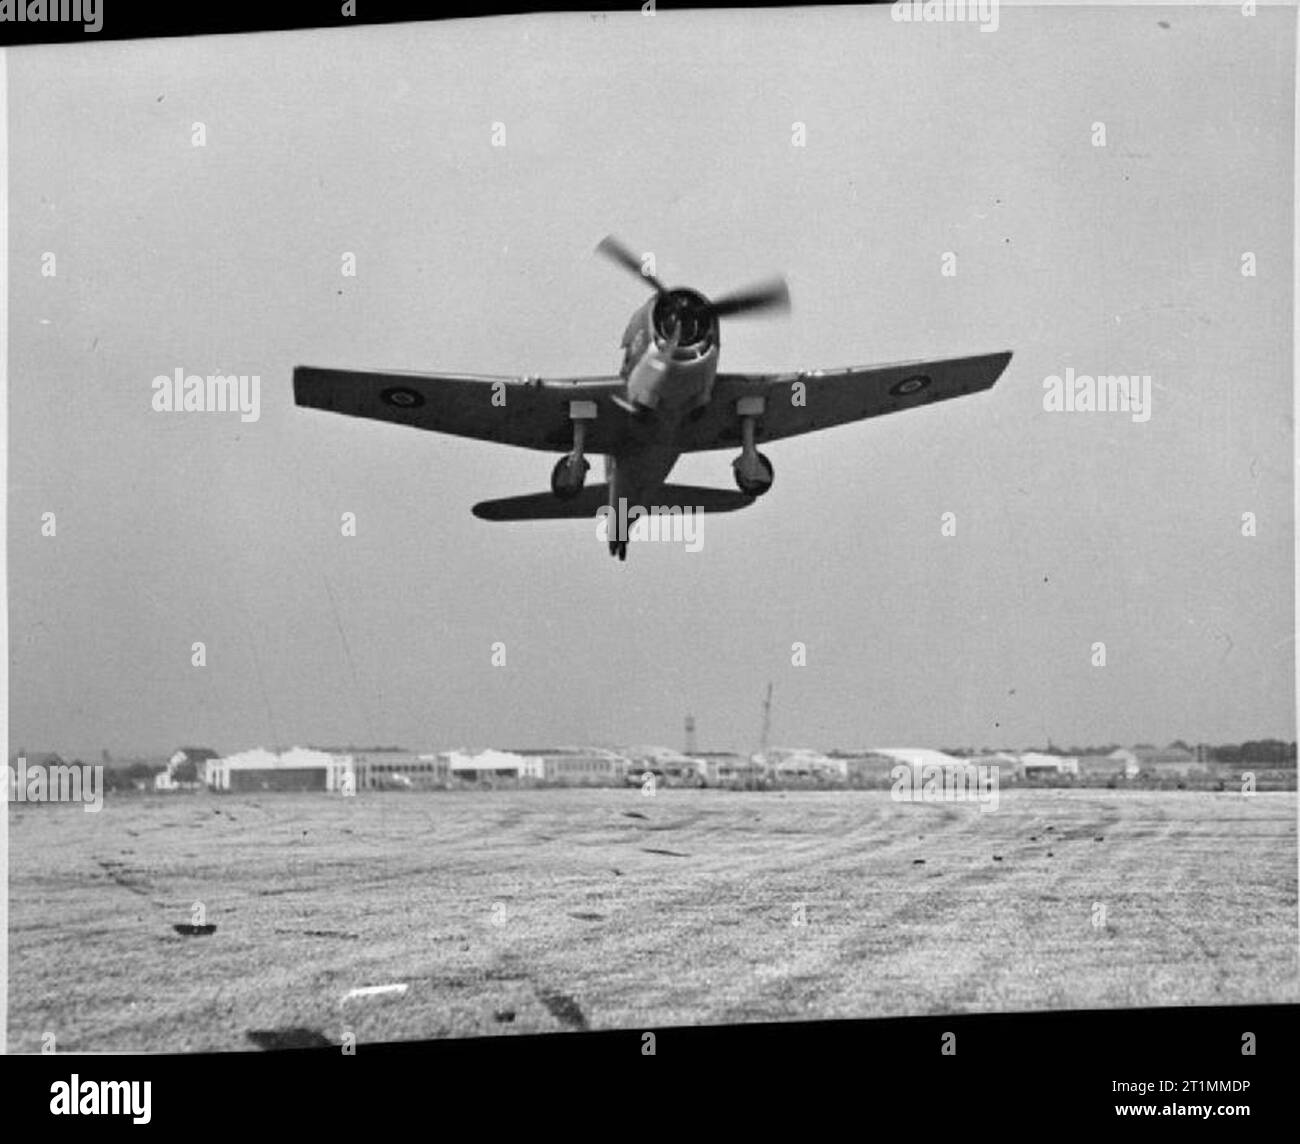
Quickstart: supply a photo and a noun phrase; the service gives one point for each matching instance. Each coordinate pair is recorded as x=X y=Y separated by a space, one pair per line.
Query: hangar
x=385 y=769
x=491 y=765
x=297 y=769
x=579 y=766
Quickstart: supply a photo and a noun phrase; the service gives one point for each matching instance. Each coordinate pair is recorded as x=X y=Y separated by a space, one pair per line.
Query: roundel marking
x=402 y=397
x=909 y=385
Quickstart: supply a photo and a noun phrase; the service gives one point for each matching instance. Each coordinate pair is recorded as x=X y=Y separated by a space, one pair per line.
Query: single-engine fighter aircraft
x=668 y=399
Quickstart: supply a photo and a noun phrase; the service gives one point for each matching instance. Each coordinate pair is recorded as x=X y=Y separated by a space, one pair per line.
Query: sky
x=676 y=132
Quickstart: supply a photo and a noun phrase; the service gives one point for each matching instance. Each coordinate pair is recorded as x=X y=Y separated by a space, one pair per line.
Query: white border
x=4 y=545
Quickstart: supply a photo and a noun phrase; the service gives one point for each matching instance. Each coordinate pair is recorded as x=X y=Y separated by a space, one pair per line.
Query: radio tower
x=767 y=722
x=690 y=734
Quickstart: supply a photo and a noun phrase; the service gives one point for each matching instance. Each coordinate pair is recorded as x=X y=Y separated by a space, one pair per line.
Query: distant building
x=571 y=766
x=1033 y=764
x=929 y=766
x=994 y=758
x=490 y=765
x=296 y=770
x=1156 y=761
x=1128 y=760
x=578 y=766
x=802 y=765
x=195 y=755
x=668 y=766
x=1008 y=765
x=186 y=769
x=1166 y=760
x=867 y=767
x=918 y=756
x=1105 y=767
x=382 y=769
x=728 y=769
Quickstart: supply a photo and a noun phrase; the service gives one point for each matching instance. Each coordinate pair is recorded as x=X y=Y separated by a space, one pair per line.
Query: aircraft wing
x=528 y=412
x=835 y=397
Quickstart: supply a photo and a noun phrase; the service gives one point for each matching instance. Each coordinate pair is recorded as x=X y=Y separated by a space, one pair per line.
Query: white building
x=803 y=763
x=1127 y=760
x=669 y=765
x=492 y=764
x=297 y=769
x=927 y=764
x=582 y=766
x=197 y=757
x=1034 y=763
x=918 y=757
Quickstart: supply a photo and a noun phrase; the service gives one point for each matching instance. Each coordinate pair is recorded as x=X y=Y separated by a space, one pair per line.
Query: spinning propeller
x=770 y=295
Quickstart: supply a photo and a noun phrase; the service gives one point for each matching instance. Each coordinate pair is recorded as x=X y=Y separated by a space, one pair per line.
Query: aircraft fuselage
x=669 y=363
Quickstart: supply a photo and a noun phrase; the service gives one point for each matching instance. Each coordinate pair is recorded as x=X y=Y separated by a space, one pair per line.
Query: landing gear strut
x=753 y=471
x=570 y=472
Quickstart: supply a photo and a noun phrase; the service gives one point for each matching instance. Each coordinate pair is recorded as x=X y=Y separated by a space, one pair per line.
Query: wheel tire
x=561 y=491
x=746 y=487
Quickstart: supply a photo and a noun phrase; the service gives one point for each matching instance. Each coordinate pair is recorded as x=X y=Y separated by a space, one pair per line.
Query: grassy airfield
x=528 y=911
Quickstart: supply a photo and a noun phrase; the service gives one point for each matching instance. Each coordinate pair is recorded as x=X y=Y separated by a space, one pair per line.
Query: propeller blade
x=773 y=295
x=614 y=250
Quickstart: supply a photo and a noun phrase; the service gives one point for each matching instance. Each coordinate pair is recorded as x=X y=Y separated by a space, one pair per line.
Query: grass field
x=527 y=911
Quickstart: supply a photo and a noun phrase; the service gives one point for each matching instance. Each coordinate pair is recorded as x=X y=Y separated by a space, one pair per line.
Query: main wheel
x=567 y=478
x=757 y=480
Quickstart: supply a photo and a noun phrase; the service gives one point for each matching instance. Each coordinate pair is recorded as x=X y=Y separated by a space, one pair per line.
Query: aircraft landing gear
x=618 y=548
x=569 y=475
x=570 y=472
x=753 y=471
x=754 y=475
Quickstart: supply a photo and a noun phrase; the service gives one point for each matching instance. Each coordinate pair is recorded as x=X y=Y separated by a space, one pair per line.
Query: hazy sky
x=674 y=132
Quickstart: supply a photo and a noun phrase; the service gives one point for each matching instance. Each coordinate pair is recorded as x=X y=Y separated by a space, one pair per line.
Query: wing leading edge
x=528 y=412
x=835 y=397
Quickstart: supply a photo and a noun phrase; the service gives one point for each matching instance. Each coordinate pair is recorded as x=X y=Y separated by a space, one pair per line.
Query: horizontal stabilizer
x=705 y=500
x=546 y=506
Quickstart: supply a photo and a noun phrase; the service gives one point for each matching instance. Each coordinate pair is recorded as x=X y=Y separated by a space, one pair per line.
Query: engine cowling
x=683 y=318
x=754 y=475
